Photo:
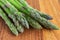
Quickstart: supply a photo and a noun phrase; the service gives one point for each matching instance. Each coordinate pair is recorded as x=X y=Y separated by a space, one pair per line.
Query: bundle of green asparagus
x=19 y=14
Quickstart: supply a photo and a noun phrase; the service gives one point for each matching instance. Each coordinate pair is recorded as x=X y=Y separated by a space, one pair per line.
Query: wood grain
x=51 y=7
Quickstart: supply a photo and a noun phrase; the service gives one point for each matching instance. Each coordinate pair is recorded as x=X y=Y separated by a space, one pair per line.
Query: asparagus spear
x=48 y=24
x=16 y=22
x=25 y=4
x=33 y=23
x=44 y=15
x=14 y=11
x=43 y=21
x=40 y=18
x=37 y=17
x=19 y=7
x=8 y=22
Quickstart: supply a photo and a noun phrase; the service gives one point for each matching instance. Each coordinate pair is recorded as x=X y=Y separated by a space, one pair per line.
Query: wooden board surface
x=51 y=7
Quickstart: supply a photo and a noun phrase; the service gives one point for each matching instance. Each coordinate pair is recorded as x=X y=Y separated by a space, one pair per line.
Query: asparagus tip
x=39 y=28
x=49 y=18
x=16 y=34
x=21 y=30
x=27 y=27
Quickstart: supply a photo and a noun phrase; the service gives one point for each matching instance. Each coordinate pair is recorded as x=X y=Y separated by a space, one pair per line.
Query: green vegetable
x=12 y=16
x=18 y=14
x=43 y=21
x=8 y=22
x=19 y=7
x=33 y=23
x=22 y=14
x=35 y=15
x=20 y=28
x=39 y=16
x=44 y=15
x=47 y=24
x=25 y=4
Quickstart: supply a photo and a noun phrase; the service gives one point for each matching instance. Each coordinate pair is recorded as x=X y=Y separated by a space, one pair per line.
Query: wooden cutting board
x=51 y=7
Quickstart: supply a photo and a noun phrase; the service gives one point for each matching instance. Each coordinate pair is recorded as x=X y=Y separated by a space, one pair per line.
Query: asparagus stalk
x=43 y=21
x=33 y=23
x=8 y=22
x=37 y=26
x=19 y=15
x=39 y=16
x=44 y=15
x=47 y=24
x=25 y=4
x=16 y=22
x=19 y=7
x=40 y=19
